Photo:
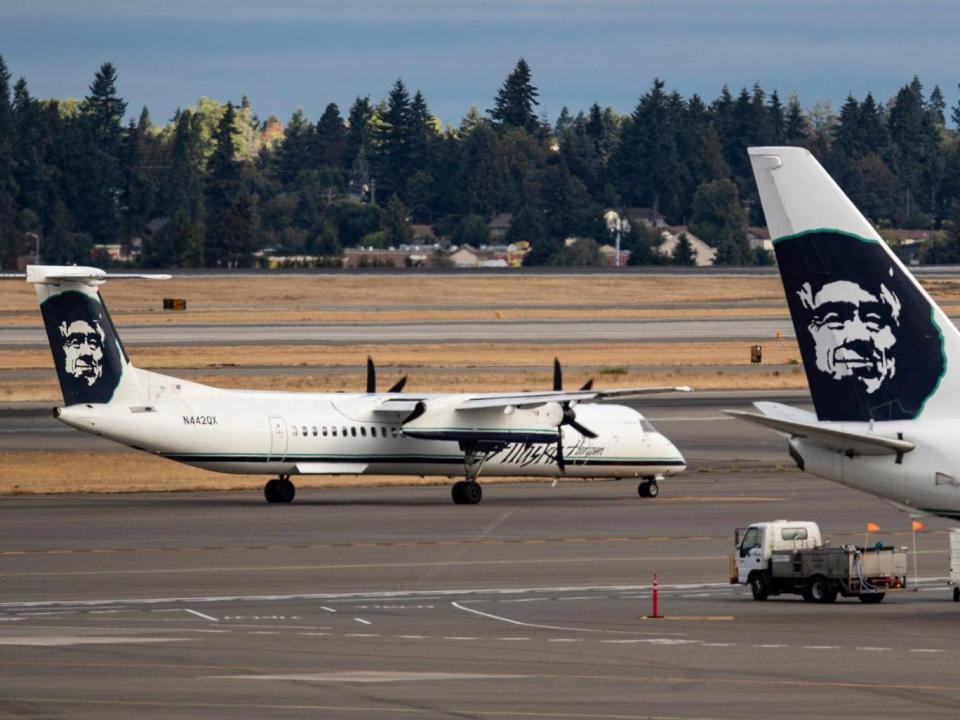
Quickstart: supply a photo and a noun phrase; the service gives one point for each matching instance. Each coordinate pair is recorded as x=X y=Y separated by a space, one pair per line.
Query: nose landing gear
x=649 y=488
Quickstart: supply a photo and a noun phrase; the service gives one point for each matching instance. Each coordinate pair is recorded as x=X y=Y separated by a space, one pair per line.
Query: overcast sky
x=289 y=54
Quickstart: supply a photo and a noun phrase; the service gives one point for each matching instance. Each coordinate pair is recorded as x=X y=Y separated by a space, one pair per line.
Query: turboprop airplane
x=880 y=357
x=553 y=433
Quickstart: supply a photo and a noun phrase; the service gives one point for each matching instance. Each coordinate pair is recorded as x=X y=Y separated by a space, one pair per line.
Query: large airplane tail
x=92 y=365
x=875 y=346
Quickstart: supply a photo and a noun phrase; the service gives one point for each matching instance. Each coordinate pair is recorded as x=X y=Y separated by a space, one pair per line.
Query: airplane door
x=278 y=438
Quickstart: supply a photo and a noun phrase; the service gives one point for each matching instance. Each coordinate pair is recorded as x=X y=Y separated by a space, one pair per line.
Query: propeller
x=372 y=379
x=569 y=415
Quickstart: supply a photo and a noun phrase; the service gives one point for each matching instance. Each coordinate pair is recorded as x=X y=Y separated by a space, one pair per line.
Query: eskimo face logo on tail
x=870 y=346
x=85 y=351
x=854 y=331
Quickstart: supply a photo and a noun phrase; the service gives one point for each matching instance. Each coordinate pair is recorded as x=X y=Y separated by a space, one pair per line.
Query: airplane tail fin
x=92 y=365
x=875 y=346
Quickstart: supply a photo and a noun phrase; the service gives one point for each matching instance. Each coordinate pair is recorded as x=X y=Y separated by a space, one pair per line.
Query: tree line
x=217 y=186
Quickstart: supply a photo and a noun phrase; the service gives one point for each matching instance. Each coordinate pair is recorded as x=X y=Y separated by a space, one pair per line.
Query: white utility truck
x=785 y=556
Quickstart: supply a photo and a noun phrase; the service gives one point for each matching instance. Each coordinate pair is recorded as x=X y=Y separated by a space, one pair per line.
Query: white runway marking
x=68 y=640
x=367 y=676
x=500 y=618
x=201 y=615
x=327 y=609
x=364 y=622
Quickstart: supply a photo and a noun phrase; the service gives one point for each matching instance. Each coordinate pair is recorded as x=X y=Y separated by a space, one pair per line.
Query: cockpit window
x=647 y=427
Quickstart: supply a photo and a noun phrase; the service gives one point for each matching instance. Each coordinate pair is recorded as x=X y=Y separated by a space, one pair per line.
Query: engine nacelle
x=441 y=420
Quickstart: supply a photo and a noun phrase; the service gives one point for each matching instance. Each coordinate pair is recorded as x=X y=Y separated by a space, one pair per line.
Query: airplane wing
x=534 y=399
x=844 y=441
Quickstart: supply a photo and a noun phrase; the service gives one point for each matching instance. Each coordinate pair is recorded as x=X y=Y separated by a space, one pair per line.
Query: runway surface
x=383 y=603
x=434 y=332
x=394 y=603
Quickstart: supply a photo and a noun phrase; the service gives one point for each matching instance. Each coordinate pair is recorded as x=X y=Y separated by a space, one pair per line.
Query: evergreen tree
x=293 y=153
x=777 y=118
x=330 y=138
x=9 y=236
x=797 y=128
x=719 y=220
x=683 y=253
x=396 y=222
x=526 y=225
x=232 y=212
x=647 y=162
x=99 y=164
x=395 y=139
x=181 y=242
x=936 y=106
x=516 y=99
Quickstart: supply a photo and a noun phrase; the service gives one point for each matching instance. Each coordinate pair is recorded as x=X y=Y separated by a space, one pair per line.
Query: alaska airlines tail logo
x=869 y=344
x=84 y=347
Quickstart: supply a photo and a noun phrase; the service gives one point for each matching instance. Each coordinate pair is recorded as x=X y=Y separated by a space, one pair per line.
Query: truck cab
x=756 y=544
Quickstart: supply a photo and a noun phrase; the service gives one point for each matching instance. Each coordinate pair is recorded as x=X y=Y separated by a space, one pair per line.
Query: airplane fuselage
x=343 y=434
x=926 y=479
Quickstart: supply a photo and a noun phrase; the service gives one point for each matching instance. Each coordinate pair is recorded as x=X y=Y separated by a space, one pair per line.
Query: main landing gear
x=649 y=488
x=469 y=492
x=279 y=490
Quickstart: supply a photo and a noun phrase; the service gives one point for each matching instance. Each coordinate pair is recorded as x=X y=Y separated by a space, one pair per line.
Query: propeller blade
x=588 y=385
x=371 y=376
x=398 y=385
x=557 y=375
x=561 y=462
x=585 y=431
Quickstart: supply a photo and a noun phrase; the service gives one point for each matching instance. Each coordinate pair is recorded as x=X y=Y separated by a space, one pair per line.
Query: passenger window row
x=345 y=431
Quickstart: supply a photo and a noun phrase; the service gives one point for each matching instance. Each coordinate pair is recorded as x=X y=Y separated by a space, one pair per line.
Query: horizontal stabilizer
x=330 y=468
x=843 y=441
x=52 y=274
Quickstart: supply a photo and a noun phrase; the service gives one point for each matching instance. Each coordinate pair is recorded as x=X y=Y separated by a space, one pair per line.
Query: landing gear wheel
x=872 y=598
x=466 y=493
x=286 y=491
x=279 y=490
x=270 y=490
x=760 y=586
x=648 y=489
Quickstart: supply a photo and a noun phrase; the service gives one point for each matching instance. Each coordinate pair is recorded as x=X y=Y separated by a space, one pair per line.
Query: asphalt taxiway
x=381 y=603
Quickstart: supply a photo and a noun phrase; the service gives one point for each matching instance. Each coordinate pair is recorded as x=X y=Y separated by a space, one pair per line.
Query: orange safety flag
x=917 y=525
x=873 y=527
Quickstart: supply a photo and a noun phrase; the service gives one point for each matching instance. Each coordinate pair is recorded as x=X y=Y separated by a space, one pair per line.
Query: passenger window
x=393 y=432
x=333 y=431
x=794 y=533
x=353 y=432
x=751 y=539
x=294 y=431
x=304 y=429
x=324 y=428
x=344 y=429
x=363 y=431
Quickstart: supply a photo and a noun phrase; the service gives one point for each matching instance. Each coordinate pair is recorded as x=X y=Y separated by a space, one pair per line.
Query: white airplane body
x=882 y=359
x=262 y=432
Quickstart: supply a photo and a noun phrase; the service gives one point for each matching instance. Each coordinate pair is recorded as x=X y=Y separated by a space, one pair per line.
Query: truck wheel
x=871 y=598
x=820 y=590
x=760 y=586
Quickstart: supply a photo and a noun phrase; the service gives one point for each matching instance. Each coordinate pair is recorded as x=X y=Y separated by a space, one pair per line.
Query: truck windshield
x=751 y=539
